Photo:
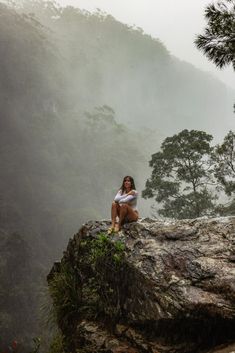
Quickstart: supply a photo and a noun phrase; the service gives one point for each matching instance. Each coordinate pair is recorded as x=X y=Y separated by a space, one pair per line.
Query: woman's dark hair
x=132 y=183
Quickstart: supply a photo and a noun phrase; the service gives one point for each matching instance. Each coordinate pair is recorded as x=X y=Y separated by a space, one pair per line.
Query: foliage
x=102 y=249
x=181 y=175
x=56 y=345
x=37 y=344
x=224 y=158
x=84 y=288
x=226 y=209
x=65 y=294
x=218 y=41
x=224 y=170
x=102 y=291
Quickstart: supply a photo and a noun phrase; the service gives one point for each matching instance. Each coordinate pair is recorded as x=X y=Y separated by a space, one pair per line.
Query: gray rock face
x=157 y=286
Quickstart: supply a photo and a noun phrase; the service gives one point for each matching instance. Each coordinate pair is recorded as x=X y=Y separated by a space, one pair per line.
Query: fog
x=175 y=23
x=85 y=100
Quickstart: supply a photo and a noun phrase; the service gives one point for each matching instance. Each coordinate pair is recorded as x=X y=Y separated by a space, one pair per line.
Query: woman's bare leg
x=132 y=215
x=114 y=213
x=122 y=215
x=126 y=212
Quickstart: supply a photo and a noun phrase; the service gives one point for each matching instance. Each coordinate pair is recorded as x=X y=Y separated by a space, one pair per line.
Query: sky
x=174 y=22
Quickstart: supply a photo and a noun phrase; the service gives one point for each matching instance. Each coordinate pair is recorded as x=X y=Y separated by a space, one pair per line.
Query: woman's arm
x=119 y=196
x=129 y=197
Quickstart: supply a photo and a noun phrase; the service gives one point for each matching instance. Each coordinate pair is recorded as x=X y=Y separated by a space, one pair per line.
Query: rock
x=224 y=349
x=157 y=286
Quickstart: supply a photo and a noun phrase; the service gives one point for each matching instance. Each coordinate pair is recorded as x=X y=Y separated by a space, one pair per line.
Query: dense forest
x=85 y=100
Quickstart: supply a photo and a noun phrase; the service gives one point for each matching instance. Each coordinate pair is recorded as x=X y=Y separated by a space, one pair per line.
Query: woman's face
x=127 y=183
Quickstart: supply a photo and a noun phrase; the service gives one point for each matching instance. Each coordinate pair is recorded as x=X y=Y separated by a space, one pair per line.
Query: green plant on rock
x=66 y=294
x=37 y=344
x=119 y=251
x=101 y=291
x=56 y=345
x=89 y=284
x=103 y=249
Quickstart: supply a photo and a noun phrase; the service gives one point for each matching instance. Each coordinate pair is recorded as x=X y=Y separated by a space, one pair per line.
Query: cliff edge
x=157 y=286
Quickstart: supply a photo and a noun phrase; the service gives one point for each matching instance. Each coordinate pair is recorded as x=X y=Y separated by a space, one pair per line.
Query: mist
x=176 y=25
x=85 y=100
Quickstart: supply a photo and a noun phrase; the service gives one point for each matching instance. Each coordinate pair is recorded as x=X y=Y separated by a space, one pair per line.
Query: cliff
x=156 y=286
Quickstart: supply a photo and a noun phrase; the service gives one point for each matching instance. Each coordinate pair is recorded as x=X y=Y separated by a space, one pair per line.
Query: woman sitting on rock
x=124 y=205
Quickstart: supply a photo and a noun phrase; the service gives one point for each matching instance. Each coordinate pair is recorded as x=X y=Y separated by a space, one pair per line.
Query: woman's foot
x=117 y=228
x=111 y=230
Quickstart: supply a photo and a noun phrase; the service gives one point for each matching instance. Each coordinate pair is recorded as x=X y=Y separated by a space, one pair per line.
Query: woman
x=124 y=205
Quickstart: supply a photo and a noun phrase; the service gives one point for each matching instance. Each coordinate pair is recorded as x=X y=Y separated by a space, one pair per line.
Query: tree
x=224 y=170
x=218 y=40
x=224 y=157
x=181 y=175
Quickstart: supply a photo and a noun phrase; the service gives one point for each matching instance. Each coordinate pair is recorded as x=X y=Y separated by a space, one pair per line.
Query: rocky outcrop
x=157 y=286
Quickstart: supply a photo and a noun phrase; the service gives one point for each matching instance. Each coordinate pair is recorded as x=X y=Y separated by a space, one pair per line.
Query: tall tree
x=181 y=175
x=224 y=157
x=224 y=170
x=218 y=40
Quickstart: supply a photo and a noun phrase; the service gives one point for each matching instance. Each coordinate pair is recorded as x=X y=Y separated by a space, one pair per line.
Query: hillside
x=111 y=63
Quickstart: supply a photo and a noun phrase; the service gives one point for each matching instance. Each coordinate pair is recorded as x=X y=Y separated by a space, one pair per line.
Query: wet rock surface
x=156 y=286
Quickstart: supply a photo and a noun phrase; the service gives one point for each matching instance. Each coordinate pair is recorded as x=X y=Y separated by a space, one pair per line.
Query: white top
x=124 y=198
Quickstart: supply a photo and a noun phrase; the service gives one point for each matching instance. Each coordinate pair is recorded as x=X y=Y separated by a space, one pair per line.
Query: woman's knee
x=124 y=206
x=123 y=209
x=132 y=216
